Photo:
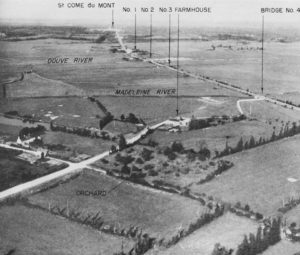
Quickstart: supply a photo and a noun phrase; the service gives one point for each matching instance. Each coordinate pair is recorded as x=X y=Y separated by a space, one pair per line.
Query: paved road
x=71 y=169
x=211 y=80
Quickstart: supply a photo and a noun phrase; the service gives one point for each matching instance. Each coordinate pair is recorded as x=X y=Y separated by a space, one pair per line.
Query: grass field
x=155 y=109
x=228 y=230
x=107 y=72
x=120 y=127
x=150 y=109
x=33 y=85
x=77 y=144
x=70 y=111
x=157 y=213
x=259 y=177
x=270 y=112
x=33 y=231
x=239 y=67
x=283 y=247
x=10 y=133
x=215 y=137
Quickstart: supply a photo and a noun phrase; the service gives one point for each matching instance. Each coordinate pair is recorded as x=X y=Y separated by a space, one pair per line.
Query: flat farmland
x=9 y=132
x=77 y=144
x=33 y=231
x=157 y=109
x=283 y=247
x=120 y=127
x=34 y=85
x=69 y=111
x=156 y=213
x=228 y=230
x=107 y=70
x=240 y=67
x=106 y=73
x=150 y=109
x=260 y=177
x=215 y=137
x=293 y=97
x=266 y=111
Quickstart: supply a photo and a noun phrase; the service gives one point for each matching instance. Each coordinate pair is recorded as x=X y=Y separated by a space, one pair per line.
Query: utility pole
x=177 y=109
x=113 y=20
x=150 y=35
x=135 y=31
x=262 y=55
x=169 y=60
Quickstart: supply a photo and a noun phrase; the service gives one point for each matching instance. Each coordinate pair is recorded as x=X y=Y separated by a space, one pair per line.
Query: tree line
x=267 y=235
x=213 y=121
x=31 y=131
x=252 y=143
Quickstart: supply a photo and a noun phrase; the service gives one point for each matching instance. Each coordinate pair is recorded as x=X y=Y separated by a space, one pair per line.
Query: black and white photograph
x=149 y=127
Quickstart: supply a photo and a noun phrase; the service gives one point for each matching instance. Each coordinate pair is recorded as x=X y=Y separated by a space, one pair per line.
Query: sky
x=232 y=13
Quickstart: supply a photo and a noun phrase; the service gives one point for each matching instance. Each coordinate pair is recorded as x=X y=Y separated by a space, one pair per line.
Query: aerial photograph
x=149 y=127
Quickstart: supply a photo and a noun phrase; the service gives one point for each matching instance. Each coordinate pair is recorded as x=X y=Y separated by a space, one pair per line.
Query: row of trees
x=222 y=166
x=221 y=250
x=105 y=120
x=177 y=147
x=108 y=117
x=31 y=131
x=213 y=121
x=132 y=119
x=266 y=236
x=86 y=132
x=241 y=145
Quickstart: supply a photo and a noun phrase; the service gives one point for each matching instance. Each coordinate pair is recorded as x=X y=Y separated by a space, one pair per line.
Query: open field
x=293 y=97
x=106 y=73
x=150 y=109
x=70 y=111
x=9 y=133
x=283 y=247
x=156 y=109
x=156 y=213
x=77 y=144
x=228 y=230
x=14 y=170
x=33 y=231
x=120 y=127
x=240 y=67
x=33 y=85
x=269 y=112
x=259 y=177
x=215 y=137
